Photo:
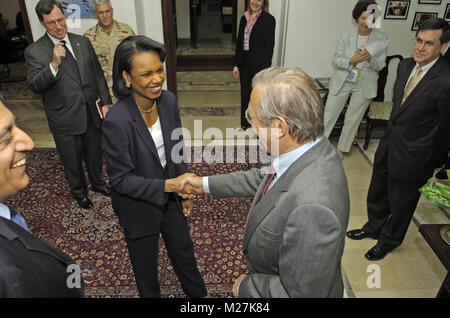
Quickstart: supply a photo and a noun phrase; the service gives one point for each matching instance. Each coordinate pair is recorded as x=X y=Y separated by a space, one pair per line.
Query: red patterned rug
x=95 y=240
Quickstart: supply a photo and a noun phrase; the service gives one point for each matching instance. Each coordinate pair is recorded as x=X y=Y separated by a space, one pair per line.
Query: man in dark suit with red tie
x=406 y=156
x=64 y=68
x=29 y=267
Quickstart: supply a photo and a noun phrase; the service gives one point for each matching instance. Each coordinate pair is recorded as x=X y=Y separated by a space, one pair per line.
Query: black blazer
x=29 y=267
x=65 y=98
x=412 y=135
x=447 y=55
x=262 y=41
x=135 y=173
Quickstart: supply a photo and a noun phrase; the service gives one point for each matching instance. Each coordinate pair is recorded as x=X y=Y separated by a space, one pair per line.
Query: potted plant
x=439 y=194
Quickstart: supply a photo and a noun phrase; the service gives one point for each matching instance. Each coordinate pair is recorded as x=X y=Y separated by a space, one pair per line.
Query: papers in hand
x=374 y=47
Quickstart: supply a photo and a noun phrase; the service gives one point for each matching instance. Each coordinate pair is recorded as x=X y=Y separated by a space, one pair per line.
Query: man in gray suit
x=64 y=68
x=294 y=236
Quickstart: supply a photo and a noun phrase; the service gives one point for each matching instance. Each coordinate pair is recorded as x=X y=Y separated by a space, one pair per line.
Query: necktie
x=71 y=62
x=268 y=181
x=19 y=220
x=412 y=83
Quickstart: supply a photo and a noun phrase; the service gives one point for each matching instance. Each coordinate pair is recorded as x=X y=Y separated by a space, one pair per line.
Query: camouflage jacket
x=105 y=45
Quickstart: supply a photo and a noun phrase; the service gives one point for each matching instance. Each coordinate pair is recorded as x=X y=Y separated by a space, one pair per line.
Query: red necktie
x=268 y=181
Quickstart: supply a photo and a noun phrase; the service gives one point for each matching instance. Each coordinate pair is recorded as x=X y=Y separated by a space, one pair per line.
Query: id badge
x=353 y=75
x=246 y=37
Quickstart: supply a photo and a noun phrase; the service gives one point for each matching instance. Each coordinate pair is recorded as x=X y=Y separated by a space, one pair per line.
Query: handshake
x=187 y=185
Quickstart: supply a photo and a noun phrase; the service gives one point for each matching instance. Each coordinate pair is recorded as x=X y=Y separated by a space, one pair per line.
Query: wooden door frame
x=170 y=44
x=234 y=26
x=193 y=21
x=26 y=21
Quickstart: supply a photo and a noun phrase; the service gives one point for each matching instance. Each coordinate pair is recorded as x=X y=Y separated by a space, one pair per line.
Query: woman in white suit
x=349 y=79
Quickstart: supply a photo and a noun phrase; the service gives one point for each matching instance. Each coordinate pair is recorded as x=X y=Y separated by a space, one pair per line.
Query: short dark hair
x=434 y=23
x=46 y=6
x=123 y=60
x=360 y=7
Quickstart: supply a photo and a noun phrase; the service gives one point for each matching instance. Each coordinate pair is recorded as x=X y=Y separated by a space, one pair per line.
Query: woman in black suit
x=254 y=49
x=143 y=146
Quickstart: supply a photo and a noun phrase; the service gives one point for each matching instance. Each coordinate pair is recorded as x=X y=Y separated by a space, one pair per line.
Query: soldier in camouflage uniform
x=106 y=36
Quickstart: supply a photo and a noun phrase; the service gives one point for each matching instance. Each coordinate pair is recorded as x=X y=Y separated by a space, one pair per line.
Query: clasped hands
x=360 y=56
x=186 y=185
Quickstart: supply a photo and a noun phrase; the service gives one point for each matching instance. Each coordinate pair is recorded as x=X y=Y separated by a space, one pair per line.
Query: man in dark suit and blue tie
x=64 y=68
x=406 y=156
x=29 y=267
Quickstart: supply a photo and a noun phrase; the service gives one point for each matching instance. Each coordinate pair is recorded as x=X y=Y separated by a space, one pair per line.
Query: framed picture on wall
x=430 y=1
x=419 y=17
x=397 y=10
x=82 y=9
x=447 y=13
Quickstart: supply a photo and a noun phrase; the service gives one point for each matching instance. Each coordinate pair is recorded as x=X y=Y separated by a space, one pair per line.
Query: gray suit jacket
x=65 y=98
x=294 y=236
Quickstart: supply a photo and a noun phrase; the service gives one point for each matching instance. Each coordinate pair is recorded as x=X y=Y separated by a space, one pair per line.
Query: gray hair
x=290 y=93
x=100 y=2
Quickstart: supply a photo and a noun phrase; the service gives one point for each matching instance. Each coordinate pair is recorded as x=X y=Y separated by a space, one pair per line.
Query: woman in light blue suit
x=349 y=79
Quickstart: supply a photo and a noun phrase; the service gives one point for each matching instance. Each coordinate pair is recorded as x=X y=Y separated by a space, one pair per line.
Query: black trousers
x=73 y=150
x=247 y=72
x=180 y=248
x=390 y=206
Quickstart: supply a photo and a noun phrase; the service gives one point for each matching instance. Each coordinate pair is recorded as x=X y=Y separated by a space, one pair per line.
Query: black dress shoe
x=359 y=235
x=442 y=174
x=85 y=203
x=105 y=191
x=376 y=253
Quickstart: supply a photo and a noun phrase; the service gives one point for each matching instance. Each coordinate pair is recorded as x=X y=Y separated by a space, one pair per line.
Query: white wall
x=278 y=9
x=313 y=28
x=148 y=16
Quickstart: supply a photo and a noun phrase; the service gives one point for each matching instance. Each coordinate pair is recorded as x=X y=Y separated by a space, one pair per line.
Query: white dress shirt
x=156 y=133
x=4 y=211
x=425 y=69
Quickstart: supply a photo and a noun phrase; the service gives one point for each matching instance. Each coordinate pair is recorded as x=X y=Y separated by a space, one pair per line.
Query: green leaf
x=437 y=193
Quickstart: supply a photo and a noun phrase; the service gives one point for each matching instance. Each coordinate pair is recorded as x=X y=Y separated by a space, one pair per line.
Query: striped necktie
x=412 y=83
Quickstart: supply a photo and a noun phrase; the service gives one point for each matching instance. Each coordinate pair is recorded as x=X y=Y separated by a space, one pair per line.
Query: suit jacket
x=447 y=55
x=135 y=173
x=262 y=41
x=29 y=267
x=65 y=98
x=294 y=236
x=345 y=49
x=412 y=135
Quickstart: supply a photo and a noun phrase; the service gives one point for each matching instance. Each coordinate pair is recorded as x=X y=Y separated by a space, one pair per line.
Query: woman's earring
x=128 y=85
